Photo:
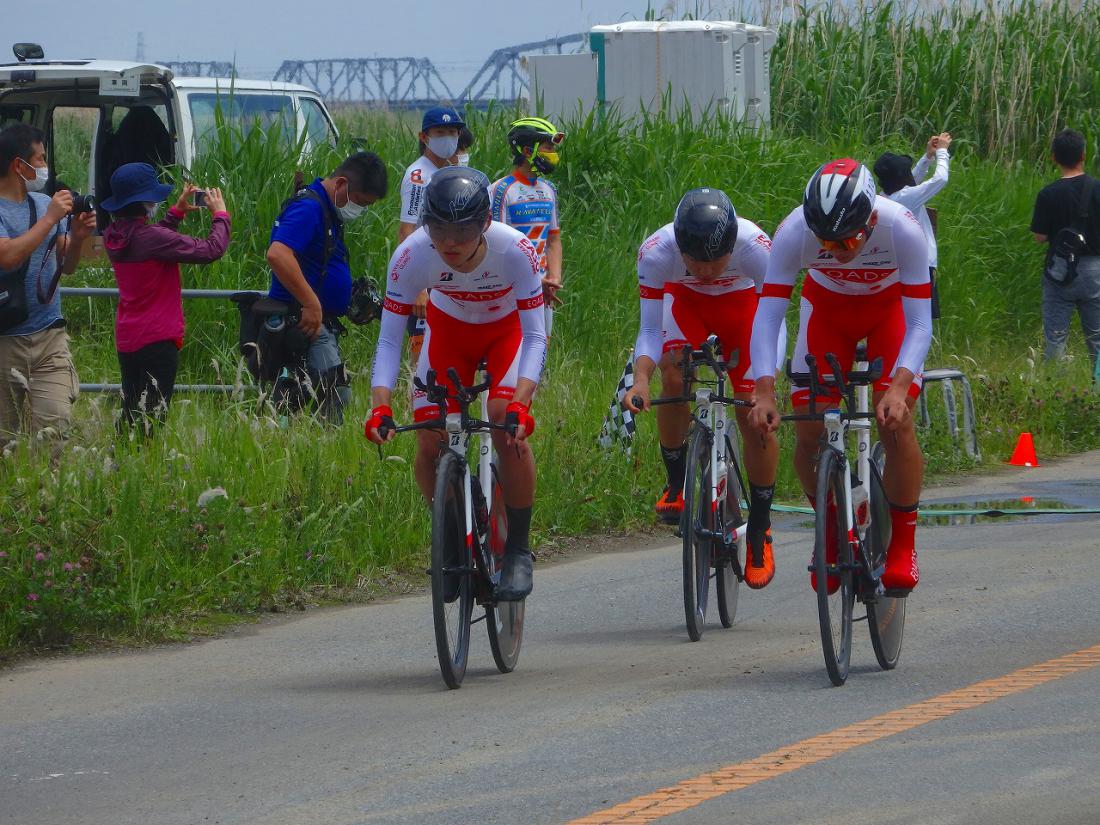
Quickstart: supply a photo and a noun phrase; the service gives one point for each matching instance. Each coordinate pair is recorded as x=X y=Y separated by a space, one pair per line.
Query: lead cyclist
x=867 y=263
x=485 y=304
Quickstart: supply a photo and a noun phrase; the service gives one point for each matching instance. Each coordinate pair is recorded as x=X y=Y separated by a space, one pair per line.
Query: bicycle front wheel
x=730 y=562
x=451 y=572
x=885 y=614
x=503 y=620
x=835 y=585
x=697 y=527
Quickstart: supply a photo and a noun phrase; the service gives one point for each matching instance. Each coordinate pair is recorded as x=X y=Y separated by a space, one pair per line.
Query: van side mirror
x=28 y=51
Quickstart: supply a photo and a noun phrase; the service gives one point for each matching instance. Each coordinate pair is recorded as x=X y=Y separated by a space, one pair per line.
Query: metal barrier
x=111 y=292
x=946 y=377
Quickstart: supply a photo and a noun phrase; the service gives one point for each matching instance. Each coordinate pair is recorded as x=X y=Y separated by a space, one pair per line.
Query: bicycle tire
x=834 y=611
x=698 y=516
x=503 y=620
x=885 y=614
x=730 y=562
x=450 y=550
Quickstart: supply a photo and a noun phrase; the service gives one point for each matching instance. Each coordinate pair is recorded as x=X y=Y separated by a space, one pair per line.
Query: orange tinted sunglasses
x=847 y=244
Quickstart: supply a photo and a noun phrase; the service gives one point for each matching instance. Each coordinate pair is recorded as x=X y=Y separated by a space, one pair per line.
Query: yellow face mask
x=551 y=157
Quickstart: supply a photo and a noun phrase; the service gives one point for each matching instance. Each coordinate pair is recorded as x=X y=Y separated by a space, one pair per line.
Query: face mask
x=443 y=147
x=41 y=175
x=151 y=210
x=350 y=210
x=464 y=159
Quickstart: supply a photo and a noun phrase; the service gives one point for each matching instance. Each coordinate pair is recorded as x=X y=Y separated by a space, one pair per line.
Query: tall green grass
x=109 y=539
x=1003 y=77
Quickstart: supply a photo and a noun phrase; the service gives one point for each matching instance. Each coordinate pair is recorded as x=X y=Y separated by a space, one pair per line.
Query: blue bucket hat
x=135 y=183
x=441 y=116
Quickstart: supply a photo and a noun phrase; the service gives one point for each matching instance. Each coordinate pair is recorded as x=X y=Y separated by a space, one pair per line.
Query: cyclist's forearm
x=525 y=391
x=644 y=366
x=381 y=396
x=553 y=258
x=902 y=380
x=765 y=387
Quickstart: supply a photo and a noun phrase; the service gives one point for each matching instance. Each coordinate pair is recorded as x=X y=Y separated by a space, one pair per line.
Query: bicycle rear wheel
x=834 y=610
x=503 y=620
x=730 y=561
x=885 y=614
x=452 y=567
x=697 y=527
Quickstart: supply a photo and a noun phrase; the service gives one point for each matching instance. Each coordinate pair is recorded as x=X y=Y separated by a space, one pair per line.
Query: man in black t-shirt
x=1056 y=208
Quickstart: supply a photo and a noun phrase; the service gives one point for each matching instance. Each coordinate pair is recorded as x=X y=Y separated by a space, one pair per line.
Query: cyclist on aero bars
x=868 y=278
x=697 y=276
x=486 y=303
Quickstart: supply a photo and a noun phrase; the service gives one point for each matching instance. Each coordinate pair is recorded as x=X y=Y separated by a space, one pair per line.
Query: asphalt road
x=340 y=716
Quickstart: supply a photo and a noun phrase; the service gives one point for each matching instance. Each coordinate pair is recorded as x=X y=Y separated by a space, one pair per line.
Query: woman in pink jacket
x=146 y=258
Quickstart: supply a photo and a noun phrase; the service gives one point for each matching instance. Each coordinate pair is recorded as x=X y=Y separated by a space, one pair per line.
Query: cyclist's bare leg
x=807 y=444
x=904 y=461
x=516 y=463
x=673 y=420
x=427 y=454
x=761 y=452
x=902 y=483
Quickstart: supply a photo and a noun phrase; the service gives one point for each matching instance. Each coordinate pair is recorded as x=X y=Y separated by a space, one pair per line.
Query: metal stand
x=946 y=378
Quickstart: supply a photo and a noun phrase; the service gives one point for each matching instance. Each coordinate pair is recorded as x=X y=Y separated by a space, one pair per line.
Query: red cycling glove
x=519 y=414
x=380 y=417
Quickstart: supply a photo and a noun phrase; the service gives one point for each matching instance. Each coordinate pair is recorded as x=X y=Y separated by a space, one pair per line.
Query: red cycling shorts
x=690 y=317
x=833 y=322
x=449 y=342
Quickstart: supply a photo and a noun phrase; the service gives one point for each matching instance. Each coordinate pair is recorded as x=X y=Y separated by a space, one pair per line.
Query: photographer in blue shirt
x=310 y=273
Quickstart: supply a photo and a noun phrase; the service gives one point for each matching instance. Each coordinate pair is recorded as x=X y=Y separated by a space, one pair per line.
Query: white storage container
x=697 y=65
x=562 y=85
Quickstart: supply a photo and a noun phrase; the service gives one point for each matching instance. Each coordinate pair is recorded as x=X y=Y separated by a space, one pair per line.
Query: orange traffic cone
x=1024 y=454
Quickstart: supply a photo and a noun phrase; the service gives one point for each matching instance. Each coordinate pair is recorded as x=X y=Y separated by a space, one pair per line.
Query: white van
x=141 y=112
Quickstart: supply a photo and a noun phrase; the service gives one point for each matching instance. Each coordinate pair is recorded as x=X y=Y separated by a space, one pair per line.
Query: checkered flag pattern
x=618 y=425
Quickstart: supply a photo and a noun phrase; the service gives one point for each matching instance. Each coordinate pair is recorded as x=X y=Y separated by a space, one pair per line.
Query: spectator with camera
x=38 y=382
x=311 y=285
x=146 y=255
x=1067 y=219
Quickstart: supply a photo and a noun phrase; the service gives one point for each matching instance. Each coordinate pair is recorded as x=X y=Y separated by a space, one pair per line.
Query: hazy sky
x=457 y=36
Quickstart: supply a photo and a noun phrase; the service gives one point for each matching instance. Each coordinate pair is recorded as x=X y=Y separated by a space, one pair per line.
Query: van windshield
x=272 y=113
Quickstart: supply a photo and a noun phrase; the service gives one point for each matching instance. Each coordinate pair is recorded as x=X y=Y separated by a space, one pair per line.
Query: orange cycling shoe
x=832 y=583
x=758 y=575
x=669 y=508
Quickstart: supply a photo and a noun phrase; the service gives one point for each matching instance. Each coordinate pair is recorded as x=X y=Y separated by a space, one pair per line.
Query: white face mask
x=350 y=211
x=41 y=175
x=151 y=210
x=443 y=146
x=464 y=159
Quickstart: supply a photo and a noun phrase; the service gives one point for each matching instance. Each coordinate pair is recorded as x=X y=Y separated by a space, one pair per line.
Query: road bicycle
x=469 y=529
x=851 y=507
x=713 y=524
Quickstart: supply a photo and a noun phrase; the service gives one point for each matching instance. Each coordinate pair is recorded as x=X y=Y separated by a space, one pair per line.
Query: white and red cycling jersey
x=493 y=313
x=882 y=295
x=679 y=309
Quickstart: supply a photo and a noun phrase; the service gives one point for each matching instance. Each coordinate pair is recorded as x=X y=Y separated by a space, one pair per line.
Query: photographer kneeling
x=146 y=257
x=36 y=367
x=310 y=274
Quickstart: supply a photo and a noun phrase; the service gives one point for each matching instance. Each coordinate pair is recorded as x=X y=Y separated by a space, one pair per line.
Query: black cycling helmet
x=457 y=194
x=839 y=199
x=705 y=224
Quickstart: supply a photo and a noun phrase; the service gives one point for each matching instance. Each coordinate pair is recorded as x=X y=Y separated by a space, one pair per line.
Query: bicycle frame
x=710 y=408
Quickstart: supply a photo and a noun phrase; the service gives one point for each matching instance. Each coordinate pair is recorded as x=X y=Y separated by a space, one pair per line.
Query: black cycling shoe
x=515 y=580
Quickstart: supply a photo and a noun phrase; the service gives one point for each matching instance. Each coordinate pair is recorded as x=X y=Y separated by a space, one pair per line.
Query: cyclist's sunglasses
x=846 y=244
x=557 y=139
x=464 y=232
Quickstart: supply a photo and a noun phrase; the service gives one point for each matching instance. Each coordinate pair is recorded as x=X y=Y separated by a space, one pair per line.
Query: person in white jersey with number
x=439 y=133
x=698 y=277
x=486 y=305
x=526 y=200
x=868 y=278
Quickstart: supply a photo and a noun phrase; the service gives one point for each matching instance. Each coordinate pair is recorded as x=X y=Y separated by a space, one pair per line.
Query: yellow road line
x=692 y=792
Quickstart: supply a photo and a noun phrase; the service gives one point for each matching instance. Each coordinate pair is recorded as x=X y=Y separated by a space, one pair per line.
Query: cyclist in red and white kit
x=698 y=277
x=486 y=303
x=868 y=278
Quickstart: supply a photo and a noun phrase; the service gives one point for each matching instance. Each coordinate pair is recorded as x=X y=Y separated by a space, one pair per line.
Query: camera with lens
x=366 y=301
x=82 y=204
x=198 y=198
